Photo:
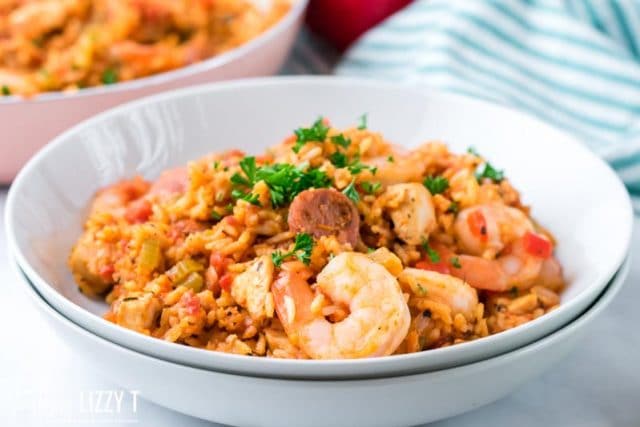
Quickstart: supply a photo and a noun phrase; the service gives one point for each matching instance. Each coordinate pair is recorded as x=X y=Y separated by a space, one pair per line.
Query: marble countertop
x=597 y=385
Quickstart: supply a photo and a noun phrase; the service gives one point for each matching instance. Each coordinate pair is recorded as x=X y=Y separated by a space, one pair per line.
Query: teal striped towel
x=572 y=63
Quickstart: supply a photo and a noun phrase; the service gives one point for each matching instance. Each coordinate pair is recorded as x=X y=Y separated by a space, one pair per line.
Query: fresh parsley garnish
x=390 y=159
x=434 y=256
x=455 y=261
x=486 y=170
x=109 y=76
x=5 y=90
x=285 y=181
x=317 y=132
x=436 y=184
x=302 y=248
x=341 y=141
x=248 y=197
x=215 y=215
x=472 y=150
x=453 y=208
x=216 y=165
x=355 y=166
x=351 y=192
x=338 y=159
x=370 y=187
x=362 y=121
x=514 y=292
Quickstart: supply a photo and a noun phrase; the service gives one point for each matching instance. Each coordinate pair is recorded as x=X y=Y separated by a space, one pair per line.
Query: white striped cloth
x=572 y=63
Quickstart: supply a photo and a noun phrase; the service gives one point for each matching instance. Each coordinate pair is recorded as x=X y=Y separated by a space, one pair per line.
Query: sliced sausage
x=172 y=181
x=325 y=212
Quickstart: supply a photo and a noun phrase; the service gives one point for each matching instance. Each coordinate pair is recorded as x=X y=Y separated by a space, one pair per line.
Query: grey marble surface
x=598 y=385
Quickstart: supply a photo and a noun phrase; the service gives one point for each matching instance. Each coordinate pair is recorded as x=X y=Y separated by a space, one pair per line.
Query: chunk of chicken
x=250 y=289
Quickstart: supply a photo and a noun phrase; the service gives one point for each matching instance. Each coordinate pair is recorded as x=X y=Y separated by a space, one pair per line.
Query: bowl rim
x=602 y=301
x=215 y=358
x=297 y=9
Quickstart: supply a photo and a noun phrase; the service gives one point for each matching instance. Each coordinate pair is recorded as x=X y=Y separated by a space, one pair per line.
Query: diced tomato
x=219 y=262
x=265 y=158
x=537 y=245
x=106 y=271
x=478 y=225
x=232 y=220
x=226 y=281
x=138 y=211
x=234 y=153
x=290 y=139
x=191 y=303
x=439 y=267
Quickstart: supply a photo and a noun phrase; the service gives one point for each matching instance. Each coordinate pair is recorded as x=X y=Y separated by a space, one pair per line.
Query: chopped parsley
x=362 y=122
x=317 y=132
x=216 y=165
x=247 y=197
x=355 y=166
x=390 y=159
x=455 y=261
x=472 y=150
x=341 y=141
x=486 y=170
x=370 y=250
x=5 y=90
x=351 y=192
x=130 y=299
x=338 y=159
x=436 y=184
x=370 y=187
x=109 y=76
x=434 y=256
x=215 y=215
x=302 y=248
x=285 y=181
x=453 y=208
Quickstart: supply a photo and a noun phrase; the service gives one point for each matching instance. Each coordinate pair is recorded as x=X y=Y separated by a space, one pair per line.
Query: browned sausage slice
x=325 y=212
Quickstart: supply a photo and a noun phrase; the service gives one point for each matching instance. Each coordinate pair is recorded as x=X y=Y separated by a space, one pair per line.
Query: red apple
x=341 y=21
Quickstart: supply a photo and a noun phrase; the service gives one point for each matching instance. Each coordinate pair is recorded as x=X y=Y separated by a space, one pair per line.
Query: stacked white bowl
x=572 y=192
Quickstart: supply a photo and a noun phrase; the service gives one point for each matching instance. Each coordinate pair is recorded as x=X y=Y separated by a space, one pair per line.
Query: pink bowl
x=30 y=124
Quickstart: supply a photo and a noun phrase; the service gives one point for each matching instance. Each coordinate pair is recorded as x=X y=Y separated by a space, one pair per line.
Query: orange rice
x=168 y=255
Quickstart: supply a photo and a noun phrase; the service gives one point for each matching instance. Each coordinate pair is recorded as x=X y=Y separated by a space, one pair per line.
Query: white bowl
x=34 y=122
x=397 y=401
x=572 y=192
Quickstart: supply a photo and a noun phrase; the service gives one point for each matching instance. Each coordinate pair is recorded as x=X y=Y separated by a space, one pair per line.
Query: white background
x=43 y=381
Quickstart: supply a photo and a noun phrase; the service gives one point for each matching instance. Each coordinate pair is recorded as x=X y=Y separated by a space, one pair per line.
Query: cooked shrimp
x=412 y=212
x=379 y=317
x=514 y=268
x=398 y=165
x=442 y=288
x=486 y=229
